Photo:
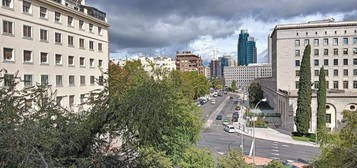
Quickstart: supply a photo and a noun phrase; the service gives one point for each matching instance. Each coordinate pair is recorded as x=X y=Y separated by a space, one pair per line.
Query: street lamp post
x=252 y=148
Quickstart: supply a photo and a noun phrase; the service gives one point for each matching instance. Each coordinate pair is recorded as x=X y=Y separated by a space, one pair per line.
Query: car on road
x=231 y=97
x=219 y=117
x=225 y=122
x=229 y=129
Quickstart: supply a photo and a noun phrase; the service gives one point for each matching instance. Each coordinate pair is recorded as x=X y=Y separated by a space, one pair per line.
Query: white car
x=229 y=128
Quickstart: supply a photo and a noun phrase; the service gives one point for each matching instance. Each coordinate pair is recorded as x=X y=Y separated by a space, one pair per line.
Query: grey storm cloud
x=162 y=23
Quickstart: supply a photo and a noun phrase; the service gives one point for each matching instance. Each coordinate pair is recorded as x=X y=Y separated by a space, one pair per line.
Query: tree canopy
x=255 y=93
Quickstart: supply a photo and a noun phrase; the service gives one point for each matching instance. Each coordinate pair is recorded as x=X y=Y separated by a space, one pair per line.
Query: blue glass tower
x=247 y=51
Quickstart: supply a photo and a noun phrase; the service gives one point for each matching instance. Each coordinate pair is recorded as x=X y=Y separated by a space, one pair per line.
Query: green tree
x=321 y=102
x=303 y=111
x=233 y=159
x=195 y=157
x=255 y=93
x=233 y=85
x=275 y=164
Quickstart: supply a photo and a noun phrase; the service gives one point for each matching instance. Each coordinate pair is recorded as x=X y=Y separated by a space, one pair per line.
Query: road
x=219 y=141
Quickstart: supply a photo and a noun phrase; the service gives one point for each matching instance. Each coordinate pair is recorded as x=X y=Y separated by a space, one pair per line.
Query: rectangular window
x=82 y=98
x=335 y=72
x=317 y=72
x=71 y=60
x=306 y=42
x=70 y=41
x=345 y=51
x=345 y=72
x=297 y=84
x=27 y=56
x=101 y=80
x=91 y=62
x=335 y=51
x=7 y=3
x=335 y=41
x=100 y=47
x=325 y=42
x=59 y=81
x=297 y=43
x=316 y=52
x=44 y=58
x=335 y=61
x=71 y=100
x=100 y=30
x=100 y=63
x=328 y=118
x=316 y=42
x=44 y=80
x=297 y=62
x=59 y=100
x=316 y=62
x=354 y=40
x=70 y=21
x=81 y=61
x=316 y=84
x=355 y=72
x=91 y=45
x=345 y=84
x=9 y=54
x=28 y=81
x=71 y=80
x=43 y=35
x=325 y=52
x=7 y=27
x=81 y=24
x=27 y=31
x=83 y=80
x=43 y=12
x=326 y=62
x=354 y=84
x=354 y=51
x=58 y=59
x=81 y=43
x=91 y=27
x=57 y=17
x=92 y=80
x=26 y=7
x=354 y=61
x=58 y=38
x=345 y=41
x=335 y=84
x=9 y=80
x=345 y=61
x=326 y=72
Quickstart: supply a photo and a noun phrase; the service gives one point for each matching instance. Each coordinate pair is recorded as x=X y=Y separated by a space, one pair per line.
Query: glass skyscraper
x=247 y=51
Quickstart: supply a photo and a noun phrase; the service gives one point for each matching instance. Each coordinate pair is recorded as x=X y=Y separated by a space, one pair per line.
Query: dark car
x=219 y=117
x=235 y=117
x=231 y=97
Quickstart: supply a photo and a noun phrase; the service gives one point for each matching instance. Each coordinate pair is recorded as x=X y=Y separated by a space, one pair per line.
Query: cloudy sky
x=161 y=27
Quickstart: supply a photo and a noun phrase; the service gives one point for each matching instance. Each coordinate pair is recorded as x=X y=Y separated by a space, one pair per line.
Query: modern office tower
x=333 y=46
x=215 y=67
x=247 y=51
x=187 y=61
x=61 y=44
x=245 y=75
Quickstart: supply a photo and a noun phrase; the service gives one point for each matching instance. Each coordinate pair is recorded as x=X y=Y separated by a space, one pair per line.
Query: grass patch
x=302 y=138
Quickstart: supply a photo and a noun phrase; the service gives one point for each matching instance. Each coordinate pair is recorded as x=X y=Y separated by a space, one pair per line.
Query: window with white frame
x=354 y=40
x=100 y=63
x=335 y=41
x=81 y=43
x=70 y=41
x=81 y=24
x=81 y=61
x=8 y=54
x=100 y=47
x=27 y=31
x=71 y=100
x=59 y=81
x=58 y=59
x=71 y=80
x=70 y=21
x=345 y=41
x=43 y=12
x=7 y=27
x=26 y=7
x=27 y=56
x=92 y=80
x=44 y=58
x=316 y=42
x=28 y=81
x=354 y=51
x=91 y=45
x=58 y=38
x=7 y=3
x=9 y=80
x=100 y=30
x=325 y=41
x=91 y=27
x=91 y=62
x=71 y=60
x=57 y=17
x=44 y=80
x=83 y=80
x=43 y=35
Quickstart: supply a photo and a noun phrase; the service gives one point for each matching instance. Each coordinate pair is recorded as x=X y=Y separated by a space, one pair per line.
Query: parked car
x=229 y=128
x=219 y=117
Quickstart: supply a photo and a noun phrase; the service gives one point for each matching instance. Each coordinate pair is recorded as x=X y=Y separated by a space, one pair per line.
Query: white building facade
x=62 y=44
x=334 y=46
x=244 y=75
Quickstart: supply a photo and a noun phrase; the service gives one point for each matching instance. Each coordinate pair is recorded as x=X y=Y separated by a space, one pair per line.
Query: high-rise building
x=61 y=44
x=333 y=46
x=215 y=67
x=187 y=61
x=247 y=51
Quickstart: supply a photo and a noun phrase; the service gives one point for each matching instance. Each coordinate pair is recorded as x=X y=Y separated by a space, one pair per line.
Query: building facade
x=247 y=51
x=150 y=63
x=216 y=69
x=244 y=75
x=333 y=46
x=61 y=44
x=187 y=61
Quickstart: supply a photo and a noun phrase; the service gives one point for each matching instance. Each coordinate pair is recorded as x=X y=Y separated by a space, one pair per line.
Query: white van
x=229 y=128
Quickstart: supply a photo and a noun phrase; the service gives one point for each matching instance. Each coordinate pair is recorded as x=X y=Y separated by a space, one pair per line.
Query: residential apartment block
x=187 y=61
x=62 y=44
x=245 y=75
x=333 y=46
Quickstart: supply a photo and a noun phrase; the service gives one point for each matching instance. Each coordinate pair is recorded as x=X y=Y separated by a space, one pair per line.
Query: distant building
x=244 y=75
x=216 y=70
x=247 y=51
x=207 y=72
x=334 y=46
x=150 y=62
x=187 y=61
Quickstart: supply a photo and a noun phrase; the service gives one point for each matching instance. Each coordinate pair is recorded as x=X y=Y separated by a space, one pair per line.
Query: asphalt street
x=218 y=141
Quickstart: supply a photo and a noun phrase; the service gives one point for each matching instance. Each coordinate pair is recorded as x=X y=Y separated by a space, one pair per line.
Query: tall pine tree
x=303 y=111
x=321 y=102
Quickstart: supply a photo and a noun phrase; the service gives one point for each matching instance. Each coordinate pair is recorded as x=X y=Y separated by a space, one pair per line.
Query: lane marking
x=276 y=154
x=275 y=150
x=275 y=158
x=285 y=145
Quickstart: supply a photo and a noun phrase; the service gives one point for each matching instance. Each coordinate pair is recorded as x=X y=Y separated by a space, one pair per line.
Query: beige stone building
x=334 y=46
x=62 y=44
